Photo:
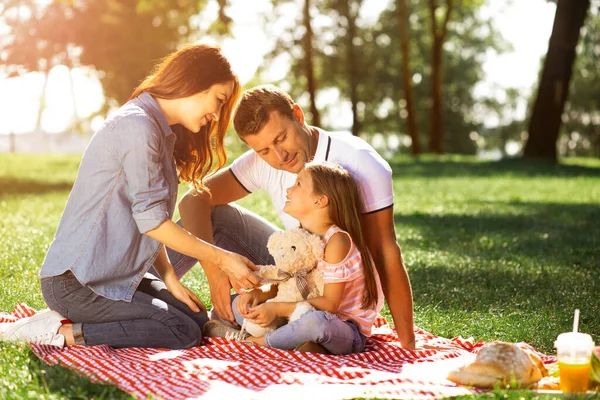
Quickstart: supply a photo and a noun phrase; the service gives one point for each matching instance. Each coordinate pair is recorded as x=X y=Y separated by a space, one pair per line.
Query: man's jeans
x=153 y=318
x=235 y=229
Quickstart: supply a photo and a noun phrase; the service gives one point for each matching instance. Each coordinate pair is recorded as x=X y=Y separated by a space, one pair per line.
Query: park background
x=491 y=125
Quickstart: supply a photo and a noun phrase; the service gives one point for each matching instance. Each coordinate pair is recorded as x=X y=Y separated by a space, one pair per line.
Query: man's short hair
x=256 y=105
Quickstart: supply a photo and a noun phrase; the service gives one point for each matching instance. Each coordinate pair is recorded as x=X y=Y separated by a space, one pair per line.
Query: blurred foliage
x=120 y=39
x=356 y=60
x=469 y=37
x=381 y=99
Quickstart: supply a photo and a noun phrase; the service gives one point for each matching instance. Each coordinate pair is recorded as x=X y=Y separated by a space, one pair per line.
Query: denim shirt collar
x=153 y=108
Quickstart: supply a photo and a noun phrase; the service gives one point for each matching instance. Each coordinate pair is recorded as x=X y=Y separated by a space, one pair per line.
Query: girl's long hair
x=183 y=73
x=345 y=210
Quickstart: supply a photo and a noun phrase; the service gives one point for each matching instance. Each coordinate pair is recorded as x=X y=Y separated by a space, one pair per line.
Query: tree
x=349 y=10
x=309 y=64
x=554 y=85
x=411 y=124
x=439 y=30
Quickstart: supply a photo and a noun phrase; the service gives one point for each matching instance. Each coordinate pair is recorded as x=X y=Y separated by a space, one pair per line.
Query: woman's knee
x=189 y=334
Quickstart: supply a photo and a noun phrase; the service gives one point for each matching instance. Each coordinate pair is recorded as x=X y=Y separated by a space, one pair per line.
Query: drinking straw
x=576 y=320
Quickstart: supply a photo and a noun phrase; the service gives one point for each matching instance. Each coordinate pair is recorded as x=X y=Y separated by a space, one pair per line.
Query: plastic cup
x=574 y=351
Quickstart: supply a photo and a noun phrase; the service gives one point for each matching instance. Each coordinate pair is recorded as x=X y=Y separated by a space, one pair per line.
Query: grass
x=495 y=250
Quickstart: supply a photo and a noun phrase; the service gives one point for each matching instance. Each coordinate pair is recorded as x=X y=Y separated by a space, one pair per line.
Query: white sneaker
x=41 y=328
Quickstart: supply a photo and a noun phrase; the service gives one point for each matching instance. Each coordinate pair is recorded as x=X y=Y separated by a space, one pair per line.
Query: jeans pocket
x=68 y=281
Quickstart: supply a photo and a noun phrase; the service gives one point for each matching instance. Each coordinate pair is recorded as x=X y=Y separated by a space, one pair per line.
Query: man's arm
x=380 y=235
x=194 y=209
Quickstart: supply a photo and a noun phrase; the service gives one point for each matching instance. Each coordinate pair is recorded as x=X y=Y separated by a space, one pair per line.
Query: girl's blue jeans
x=322 y=327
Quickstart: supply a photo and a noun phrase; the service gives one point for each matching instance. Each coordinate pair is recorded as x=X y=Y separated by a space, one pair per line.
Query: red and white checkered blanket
x=225 y=368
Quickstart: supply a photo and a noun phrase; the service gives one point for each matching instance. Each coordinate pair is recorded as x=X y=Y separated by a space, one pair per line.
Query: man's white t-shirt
x=370 y=170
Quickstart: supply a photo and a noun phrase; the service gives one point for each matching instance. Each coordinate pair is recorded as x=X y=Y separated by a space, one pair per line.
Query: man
x=274 y=127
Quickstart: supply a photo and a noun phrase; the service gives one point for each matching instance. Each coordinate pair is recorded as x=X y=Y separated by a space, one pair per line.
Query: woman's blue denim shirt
x=126 y=185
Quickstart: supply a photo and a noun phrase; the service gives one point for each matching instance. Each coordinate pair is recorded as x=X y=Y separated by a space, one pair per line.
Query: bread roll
x=500 y=363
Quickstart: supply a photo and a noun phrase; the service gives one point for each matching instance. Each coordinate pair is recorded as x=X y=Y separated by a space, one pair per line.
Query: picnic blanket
x=227 y=369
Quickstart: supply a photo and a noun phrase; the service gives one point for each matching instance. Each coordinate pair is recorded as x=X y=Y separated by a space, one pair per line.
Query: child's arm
x=254 y=297
x=336 y=250
x=264 y=314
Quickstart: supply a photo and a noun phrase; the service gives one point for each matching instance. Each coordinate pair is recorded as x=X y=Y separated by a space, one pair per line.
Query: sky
x=525 y=24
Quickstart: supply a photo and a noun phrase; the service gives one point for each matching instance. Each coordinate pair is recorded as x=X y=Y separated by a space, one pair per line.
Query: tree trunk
x=76 y=126
x=553 y=91
x=310 y=77
x=351 y=64
x=38 y=121
x=411 y=124
x=436 y=136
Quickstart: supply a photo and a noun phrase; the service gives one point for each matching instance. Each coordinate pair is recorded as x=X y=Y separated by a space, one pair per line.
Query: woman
x=117 y=220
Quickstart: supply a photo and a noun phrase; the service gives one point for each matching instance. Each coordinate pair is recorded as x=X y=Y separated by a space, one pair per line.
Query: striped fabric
x=227 y=369
x=350 y=271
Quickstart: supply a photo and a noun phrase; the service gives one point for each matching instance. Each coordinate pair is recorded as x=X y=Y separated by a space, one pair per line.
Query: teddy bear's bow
x=301 y=280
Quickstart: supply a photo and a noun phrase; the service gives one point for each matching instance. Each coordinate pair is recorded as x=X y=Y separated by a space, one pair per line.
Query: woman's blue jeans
x=153 y=318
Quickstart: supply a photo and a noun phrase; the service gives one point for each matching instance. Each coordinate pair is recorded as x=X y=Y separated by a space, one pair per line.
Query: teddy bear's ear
x=274 y=241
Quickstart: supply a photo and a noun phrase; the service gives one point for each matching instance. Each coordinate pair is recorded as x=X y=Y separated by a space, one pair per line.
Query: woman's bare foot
x=67 y=331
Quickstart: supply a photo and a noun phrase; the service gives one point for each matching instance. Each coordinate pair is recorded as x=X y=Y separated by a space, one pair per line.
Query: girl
x=326 y=201
x=117 y=220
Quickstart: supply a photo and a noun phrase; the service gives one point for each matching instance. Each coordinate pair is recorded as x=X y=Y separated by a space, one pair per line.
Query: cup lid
x=574 y=339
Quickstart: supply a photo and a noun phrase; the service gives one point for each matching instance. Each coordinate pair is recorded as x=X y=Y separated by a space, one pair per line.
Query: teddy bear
x=296 y=253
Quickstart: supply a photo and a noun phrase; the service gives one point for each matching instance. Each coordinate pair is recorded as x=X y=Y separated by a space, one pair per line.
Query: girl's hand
x=240 y=271
x=185 y=295
x=245 y=301
x=263 y=314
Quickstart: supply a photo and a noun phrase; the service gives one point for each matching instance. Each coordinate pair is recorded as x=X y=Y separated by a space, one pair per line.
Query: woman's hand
x=263 y=314
x=183 y=294
x=245 y=301
x=219 y=286
x=240 y=271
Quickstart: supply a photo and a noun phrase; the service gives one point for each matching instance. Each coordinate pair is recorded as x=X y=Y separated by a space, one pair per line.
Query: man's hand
x=240 y=271
x=183 y=294
x=219 y=286
x=263 y=314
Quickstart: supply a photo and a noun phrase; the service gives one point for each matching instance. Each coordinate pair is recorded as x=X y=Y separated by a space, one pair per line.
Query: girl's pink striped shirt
x=351 y=271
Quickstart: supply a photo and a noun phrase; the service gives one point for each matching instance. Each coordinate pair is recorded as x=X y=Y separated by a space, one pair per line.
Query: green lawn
x=495 y=250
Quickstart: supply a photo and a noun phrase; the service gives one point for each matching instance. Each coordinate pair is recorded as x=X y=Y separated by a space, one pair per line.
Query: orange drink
x=574 y=377
x=574 y=353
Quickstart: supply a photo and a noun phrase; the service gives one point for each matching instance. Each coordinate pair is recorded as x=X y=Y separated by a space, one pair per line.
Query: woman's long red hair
x=183 y=73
